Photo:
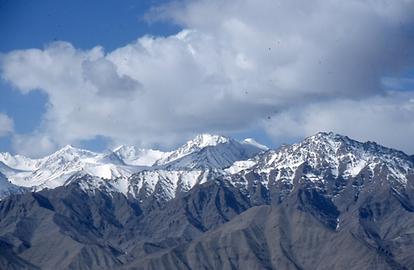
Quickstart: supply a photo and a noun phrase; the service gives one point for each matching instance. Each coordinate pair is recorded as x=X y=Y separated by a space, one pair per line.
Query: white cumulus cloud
x=386 y=119
x=234 y=64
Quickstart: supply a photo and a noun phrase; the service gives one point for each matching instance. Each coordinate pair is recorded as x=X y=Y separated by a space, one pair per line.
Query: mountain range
x=125 y=165
x=328 y=202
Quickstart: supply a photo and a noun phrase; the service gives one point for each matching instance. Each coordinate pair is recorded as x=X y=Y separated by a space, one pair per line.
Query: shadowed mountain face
x=67 y=228
x=327 y=203
x=214 y=226
x=308 y=229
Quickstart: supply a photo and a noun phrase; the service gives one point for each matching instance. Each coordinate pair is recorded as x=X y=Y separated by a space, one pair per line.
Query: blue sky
x=155 y=73
x=85 y=24
x=33 y=24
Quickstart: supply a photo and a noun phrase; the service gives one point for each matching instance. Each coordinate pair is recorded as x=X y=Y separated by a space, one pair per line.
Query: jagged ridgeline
x=329 y=202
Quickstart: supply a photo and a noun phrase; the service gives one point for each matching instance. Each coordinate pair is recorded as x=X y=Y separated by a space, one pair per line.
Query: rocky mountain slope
x=328 y=202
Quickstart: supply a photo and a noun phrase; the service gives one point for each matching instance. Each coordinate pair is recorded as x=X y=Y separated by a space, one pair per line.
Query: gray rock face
x=307 y=230
x=68 y=228
x=318 y=214
x=214 y=226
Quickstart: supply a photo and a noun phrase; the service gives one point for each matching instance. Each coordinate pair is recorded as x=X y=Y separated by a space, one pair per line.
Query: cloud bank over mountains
x=290 y=68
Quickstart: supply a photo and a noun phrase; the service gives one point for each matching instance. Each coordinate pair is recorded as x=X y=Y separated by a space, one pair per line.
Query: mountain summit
x=209 y=151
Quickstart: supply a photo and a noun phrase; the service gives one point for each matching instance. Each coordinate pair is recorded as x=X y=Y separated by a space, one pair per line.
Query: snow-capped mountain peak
x=199 y=142
x=70 y=151
x=197 y=161
x=204 y=140
x=209 y=151
x=326 y=156
x=331 y=143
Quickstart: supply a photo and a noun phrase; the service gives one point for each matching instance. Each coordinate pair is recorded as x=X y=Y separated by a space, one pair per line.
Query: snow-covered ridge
x=18 y=162
x=142 y=173
x=199 y=142
x=204 y=152
x=326 y=155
